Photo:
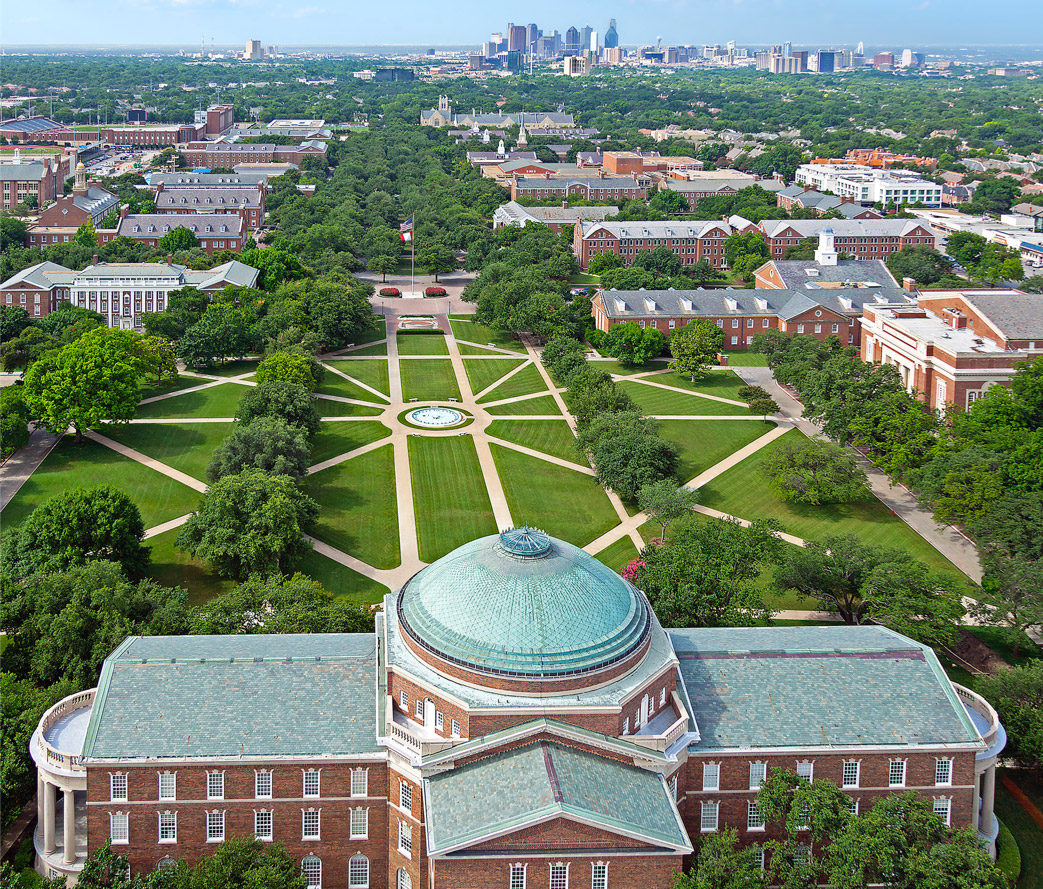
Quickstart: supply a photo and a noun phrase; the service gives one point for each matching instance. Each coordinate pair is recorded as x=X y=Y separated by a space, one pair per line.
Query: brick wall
x=633 y=871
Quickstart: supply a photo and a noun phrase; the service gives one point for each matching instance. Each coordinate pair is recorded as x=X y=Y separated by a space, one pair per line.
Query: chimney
x=564 y=205
x=124 y=210
x=94 y=259
x=170 y=259
x=908 y=285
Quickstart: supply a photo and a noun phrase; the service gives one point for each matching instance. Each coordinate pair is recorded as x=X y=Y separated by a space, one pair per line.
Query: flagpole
x=412 y=257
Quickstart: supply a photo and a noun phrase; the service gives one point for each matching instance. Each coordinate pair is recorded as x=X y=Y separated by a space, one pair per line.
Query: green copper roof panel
x=510 y=790
x=248 y=695
x=817 y=686
x=524 y=603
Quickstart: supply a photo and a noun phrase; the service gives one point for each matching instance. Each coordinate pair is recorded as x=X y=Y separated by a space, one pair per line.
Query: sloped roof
x=665 y=229
x=190 y=197
x=845 y=228
x=234 y=273
x=515 y=212
x=40 y=275
x=97 y=200
x=795 y=273
x=1018 y=316
x=531 y=784
x=590 y=181
x=221 y=224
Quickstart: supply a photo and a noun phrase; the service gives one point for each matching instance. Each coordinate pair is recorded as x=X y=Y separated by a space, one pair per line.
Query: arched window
x=166 y=863
x=403 y=880
x=311 y=867
x=358 y=872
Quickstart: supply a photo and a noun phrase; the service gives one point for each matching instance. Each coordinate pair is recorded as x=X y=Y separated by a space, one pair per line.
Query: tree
x=250 y=523
x=184 y=308
x=90 y=380
x=591 y=393
x=994 y=196
x=13 y=320
x=805 y=470
x=631 y=459
x=276 y=266
x=966 y=248
x=268 y=444
x=660 y=261
x=923 y=264
x=695 y=346
x=1017 y=695
x=294 y=368
x=437 y=259
x=664 y=501
x=177 y=239
x=287 y=401
x=14 y=420
x=99 y=523
x=631 y=344
x=1017 y=587
x=159 y=357
x=383 y=265
x=603 y=262
x=871 y=583
x=722 y=864
x=748 y=248
x=25 y=349
x=564 y=357
x=85 y=235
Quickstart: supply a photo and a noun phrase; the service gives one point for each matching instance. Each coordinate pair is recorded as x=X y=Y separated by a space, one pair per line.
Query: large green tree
x=631 y=344
x=806 y=470
x=267 y=443
x=1017 y=695
x=695 y=346
x=436 y=260
x=282 y=399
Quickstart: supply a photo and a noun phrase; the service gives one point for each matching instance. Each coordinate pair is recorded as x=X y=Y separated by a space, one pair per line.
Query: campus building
x=691 y=241
x=870 y=184
x=861 y=238
x=246 y=202
x=35 y=179
x=444 y=116
x=226 y=155
x=58 y=223
x=214 y=231
x=519 y=718
x=513 y=213
x=591 y=188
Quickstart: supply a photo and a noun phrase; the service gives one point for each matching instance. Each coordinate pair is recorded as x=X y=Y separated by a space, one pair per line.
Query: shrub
x=434 y=291
x=390 y=291
x=1008 y=855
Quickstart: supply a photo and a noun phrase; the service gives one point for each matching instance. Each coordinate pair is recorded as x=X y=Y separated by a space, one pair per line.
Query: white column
x=48 y=816
x=988 y=799
x=69 y=811
x=39 y=802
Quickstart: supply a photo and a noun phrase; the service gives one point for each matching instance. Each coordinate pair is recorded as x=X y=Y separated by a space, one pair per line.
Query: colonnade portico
x=988 y=724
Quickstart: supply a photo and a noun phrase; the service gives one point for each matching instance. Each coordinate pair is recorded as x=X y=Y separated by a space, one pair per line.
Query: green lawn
x=426 y=343
x=377 y=332
x=704 y=443
x=1001 y=640
x=525 y=382
x=721 y=383
x=339 y=438
x=483 y=372
x=544 y=406
x=174 y=568
x=654 y=401
x=469 y=349
x=480 y=335
x=342 y=581
x=429 y=380
x=186 y=446
x=563 y=503
x=218 y=401
x=233 y=368
x=449 y=494
x=373 y=373
x=150 y=390
x=358 y=513
x=619 y=554
x=375 y=349
x=743 y=358
x=90 y=464
x=334 y=384
x=743 y=492
x=614 y=367
x=328 y=408
x=584 y=278
x=1028 y=834
x=549 y=436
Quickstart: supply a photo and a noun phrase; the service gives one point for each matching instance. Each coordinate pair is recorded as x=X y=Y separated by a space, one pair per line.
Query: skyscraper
x=611 y=35
x=571 y=40
x=593 y=47
x=533 y=33
x=584 y=37
x=516 y=37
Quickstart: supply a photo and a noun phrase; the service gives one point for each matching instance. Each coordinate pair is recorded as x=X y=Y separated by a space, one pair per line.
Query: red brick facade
x=862 y=247
x=709 y=245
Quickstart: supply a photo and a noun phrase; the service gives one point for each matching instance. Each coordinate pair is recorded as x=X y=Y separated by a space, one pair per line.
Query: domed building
x=518 y=720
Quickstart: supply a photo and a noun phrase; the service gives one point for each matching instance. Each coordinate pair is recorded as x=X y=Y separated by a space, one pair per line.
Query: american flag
x=406 y=226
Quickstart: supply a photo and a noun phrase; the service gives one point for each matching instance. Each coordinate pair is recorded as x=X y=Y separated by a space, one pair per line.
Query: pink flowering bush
x=631 y=570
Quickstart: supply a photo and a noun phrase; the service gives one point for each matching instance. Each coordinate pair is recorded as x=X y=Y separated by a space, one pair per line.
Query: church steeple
x=523 y=140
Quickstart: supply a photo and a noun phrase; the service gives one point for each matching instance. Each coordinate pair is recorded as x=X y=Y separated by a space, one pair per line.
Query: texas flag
x=406 y=229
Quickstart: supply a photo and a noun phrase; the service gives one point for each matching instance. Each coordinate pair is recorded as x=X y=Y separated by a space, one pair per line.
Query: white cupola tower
x=826 y=253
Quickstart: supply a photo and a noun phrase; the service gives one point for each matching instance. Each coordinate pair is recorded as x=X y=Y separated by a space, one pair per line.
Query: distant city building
x=572 y=40
x=911 y=59
x=253 y=50
x=884 y=60
x=584 y=37
x=611 y=35
x=444 y=116
x=576 y=66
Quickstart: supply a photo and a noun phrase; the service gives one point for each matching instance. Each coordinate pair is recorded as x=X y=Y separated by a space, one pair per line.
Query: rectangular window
x=439 y=721
x=359 y=824
x=836 y=328
x=802 y=855
x=758 y=772
x=360 y=782
x=420 y=709
x=735 y=341
x=405 y=838
x=673 y=787
x=711 y=776
x=168 y=827
x=403 y=700
x=943 y=809
x=263 y=825
x=851 y=770
x=758 y=857
x=118 y=787
x=708 y=817
x=311 y=782
x=263 y=785
x=517 y=876
x=215 y=785
x=800 y=328
x=754 y=818
x=852 y=805
x=626 y=726
x=765 y=322
x=735 y=323
x=168 y=785
x=215 y=827
x=599 y=876
x=559 y=876
x=943 y=772
x=310 y=824
x=405 y=796
x=806 y=770
x=749 y=322
x=456 y=729
x=119 y=827
x=896 y=773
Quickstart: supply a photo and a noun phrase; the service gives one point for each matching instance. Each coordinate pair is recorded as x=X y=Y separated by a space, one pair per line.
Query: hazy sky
x=896 y=23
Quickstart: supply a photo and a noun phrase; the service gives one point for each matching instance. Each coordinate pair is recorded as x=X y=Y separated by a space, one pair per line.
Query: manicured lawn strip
x=431 y=380
x=232 y=368
x=1028 y=834
x=549 y=436
x=175 y=568
x=339 y=438
x=218 y=401
x=704 y=443
x=746 y=359
x=743 y=492
x=187 y=446
x=563 y=503
x=373 y=373
x=377 y=332
x=70 y=466
x=426 y=343
x=651 y=400
x=619 y=554
x=525 y=382
x=334 y=384
x=150 y=390
x=722 y=383
x=375 y=349
x=480 y=335
x=545 y=405
x=358 y=513
x=449 y=494
x=328 y=408
x=614 y=367
x=342 y=581
x=468 y=349
x=483 y=373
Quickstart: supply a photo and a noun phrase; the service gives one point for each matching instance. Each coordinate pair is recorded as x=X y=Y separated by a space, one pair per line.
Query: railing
x=976 y=702
x=665 y=740
x=52 y=755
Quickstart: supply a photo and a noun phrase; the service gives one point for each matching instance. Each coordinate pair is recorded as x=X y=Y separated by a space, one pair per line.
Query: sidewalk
x=24 y=462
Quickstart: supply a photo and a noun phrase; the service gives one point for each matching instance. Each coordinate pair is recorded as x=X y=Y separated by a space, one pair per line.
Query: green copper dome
x=523 y=603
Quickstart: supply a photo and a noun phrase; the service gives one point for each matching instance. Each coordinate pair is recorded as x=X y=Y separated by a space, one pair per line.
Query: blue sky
x=891 y=23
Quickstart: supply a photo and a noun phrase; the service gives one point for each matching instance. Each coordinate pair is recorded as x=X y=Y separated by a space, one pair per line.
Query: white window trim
x=858 y=772
x=524 y=876
x=365 y=885
x=159 y=780
x=751 y=809
x=125 y=840
x=811 y=770
x=559 y=864
x=763 y=775
x=602 y=884
x=215 y=839
x=305 y=838
x=405 y=789
x=938 y=762
x=405 y=832
x=257 y=775
x=716 y=783
x=173 y=839
x=706 y=806
x=364 y=773
x=215 y=774
x=905 y=767
x=271 y=825
x=112 y=787
x=947 y=817
x=364 y=835
x=305 y=774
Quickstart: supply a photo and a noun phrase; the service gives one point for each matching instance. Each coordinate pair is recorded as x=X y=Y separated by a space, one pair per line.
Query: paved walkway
x=17 y=468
